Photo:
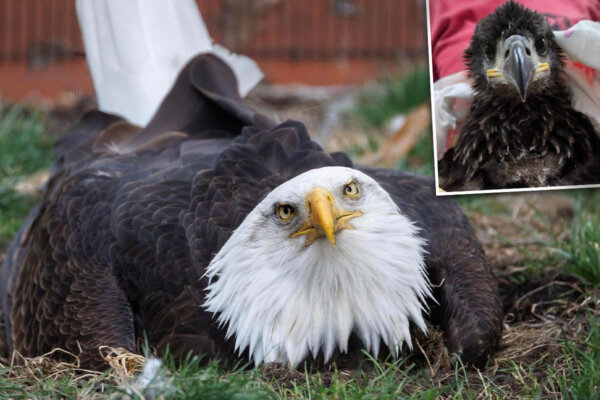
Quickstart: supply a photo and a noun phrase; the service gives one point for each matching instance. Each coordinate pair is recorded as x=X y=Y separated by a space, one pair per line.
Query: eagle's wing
x=203 y=103
x=69 y=240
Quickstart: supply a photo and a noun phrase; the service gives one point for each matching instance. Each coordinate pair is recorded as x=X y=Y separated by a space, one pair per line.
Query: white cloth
x=453 y=94
x=136 y=48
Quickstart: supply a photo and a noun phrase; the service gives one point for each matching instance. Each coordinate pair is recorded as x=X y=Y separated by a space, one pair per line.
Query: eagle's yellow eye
x=351 y=190
x=285 y=212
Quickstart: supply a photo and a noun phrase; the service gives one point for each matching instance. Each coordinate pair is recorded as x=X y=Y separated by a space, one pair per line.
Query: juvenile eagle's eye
x=488 y=52
x=285 y=212
x=351 y=190
x=541 y=46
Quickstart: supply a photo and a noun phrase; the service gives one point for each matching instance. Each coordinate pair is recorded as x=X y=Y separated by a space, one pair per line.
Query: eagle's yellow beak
x=322 y=212
x=324 y=217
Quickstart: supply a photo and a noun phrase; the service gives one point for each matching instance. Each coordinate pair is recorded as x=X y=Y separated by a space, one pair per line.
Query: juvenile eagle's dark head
x=513 y=53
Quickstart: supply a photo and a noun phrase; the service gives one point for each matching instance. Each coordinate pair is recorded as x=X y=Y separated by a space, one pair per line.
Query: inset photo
x=516 y=94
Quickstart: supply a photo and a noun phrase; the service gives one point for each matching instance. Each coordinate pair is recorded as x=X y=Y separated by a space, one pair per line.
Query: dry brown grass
x=34 y=372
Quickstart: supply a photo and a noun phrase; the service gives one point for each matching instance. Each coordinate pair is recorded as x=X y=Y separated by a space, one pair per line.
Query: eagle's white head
x=325 y=254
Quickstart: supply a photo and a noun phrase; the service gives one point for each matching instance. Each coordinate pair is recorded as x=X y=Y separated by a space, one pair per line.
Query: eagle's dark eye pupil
x=488 y=52
x=351 y=190
x=285 y=212
x=541 y=45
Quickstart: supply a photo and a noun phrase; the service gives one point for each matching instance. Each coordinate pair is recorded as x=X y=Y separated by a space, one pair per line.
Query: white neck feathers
x=283 y=301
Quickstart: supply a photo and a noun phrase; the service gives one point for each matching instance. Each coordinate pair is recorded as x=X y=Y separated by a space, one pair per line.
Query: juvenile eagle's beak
x=519 y=67
x=517 y=64
x=324 y=217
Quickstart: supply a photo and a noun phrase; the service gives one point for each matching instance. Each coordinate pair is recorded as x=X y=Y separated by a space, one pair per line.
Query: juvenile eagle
x=522 y=130
x=216 y=231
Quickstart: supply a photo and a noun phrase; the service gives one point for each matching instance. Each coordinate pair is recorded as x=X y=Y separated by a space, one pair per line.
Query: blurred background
x=324 y=42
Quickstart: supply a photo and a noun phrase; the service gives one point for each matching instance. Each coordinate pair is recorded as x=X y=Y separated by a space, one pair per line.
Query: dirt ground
x=542 y=305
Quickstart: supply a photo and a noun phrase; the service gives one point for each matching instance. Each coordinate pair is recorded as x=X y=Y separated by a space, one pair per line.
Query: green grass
x=483 y=204
x=191 y=380
x=587 y=200
x=581 y=378
x=583 y=250
x=420 y=157
x=387 y=98
x=187 y=381
x=574 y=374
x=394 y=380
x=44 y=387
x=24 y=149
x=393 y=95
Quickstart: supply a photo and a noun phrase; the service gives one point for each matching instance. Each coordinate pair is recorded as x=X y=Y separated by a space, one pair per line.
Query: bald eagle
x=216 y=231
x=522 y=130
